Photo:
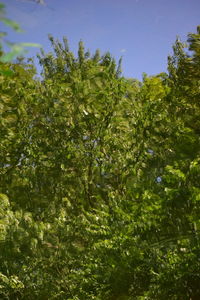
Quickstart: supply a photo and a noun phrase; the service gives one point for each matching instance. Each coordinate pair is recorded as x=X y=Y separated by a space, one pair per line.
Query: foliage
x=100 y=179
x=16 y=49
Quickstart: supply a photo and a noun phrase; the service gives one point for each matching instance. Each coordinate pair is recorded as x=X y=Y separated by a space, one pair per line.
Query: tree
x=100 y=179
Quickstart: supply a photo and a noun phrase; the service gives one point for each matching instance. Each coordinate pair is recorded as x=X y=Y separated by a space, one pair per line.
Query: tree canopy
x=100 y=178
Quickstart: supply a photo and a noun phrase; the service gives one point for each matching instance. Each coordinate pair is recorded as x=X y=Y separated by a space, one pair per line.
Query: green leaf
x=6 y=72
x=2 y=6
x=11 y=55
x=30 y=45
x=12 y=24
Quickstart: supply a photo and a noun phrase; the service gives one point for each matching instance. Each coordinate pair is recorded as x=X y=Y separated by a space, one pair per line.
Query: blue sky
x=142 y=31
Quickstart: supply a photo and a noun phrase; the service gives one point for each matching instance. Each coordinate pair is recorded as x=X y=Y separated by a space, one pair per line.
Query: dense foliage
x=100 y=178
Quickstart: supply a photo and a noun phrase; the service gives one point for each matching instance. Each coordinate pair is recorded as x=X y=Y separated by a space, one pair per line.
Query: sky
x=141 y=31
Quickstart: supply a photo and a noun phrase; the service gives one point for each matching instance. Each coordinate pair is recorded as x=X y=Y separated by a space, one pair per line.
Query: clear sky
x=142 y=31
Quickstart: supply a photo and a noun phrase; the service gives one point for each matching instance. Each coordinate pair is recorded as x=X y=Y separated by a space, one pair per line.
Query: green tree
x=100 y=179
